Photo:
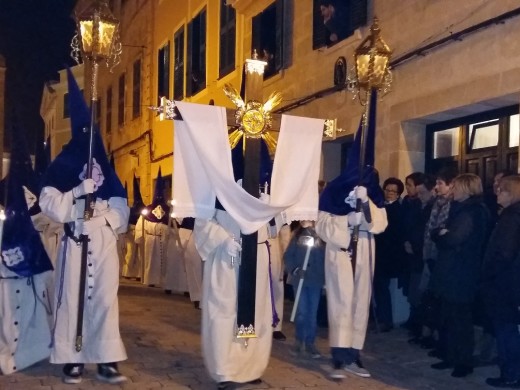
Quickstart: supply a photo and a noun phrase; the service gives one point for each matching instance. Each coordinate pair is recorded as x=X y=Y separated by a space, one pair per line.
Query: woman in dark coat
x=390 y=257
x=500 y=284
x=456 y=274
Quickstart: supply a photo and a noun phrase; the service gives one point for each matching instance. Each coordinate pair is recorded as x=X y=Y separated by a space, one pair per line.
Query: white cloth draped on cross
x=203 y=169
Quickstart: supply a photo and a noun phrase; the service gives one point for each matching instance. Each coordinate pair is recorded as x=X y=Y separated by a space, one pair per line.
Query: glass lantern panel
x=106 y=34
x=86 y=35
x=446 y=143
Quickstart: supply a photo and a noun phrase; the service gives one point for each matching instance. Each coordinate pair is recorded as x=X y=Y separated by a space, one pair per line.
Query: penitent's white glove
x=93 y=224
x=87 y=186
x=354 y=219
x=264 y=197
x=232 y=247
x=361 y=193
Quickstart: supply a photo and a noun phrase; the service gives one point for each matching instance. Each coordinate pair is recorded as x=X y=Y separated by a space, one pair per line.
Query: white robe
x=25 y=313
x=50 y=234
x=348 y=300
x=133 y=262
x=193 y=264
x=277 y=270
x=101 y=339
x=155 y=250
x=226 y=357
x=175 y=273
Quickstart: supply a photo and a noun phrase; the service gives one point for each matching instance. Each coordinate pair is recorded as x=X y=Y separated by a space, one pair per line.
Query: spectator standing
x=313 y=282
x=460 y=243
x=501 y=284
x=390 y=257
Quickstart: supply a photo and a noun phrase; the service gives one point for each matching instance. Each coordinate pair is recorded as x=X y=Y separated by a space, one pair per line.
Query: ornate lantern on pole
x=96 y=40
x=371 y=70
x=371 y=73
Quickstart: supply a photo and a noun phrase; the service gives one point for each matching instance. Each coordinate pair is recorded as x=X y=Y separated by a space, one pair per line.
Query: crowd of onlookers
x=455 y=251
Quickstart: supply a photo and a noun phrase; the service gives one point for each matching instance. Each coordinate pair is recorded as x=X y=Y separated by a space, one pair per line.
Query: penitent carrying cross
x=252 y=121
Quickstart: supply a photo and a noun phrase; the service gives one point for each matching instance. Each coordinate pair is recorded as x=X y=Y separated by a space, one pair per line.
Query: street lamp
x=371 y=73
x=97 y=29
x=371 y=70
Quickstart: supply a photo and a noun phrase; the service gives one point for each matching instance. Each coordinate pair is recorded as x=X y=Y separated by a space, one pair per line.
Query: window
x=109 y=110
x=178 y=65
x=446 y=143
x=136 y=92
x=333 y=21
x=227 y=38
x=66 y=112
x=66 y=105
x=272 y=36
x=121 y=101
x=483 y=135
x=163 y=82
x=196 y=66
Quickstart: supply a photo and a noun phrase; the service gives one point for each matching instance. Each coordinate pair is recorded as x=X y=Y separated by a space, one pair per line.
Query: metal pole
x=310 y=244
x=87 y=213
x=363 y=145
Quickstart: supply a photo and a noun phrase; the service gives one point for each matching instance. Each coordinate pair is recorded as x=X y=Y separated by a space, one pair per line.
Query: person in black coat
x=456 y=274
x=390 y=256
x=501 y=285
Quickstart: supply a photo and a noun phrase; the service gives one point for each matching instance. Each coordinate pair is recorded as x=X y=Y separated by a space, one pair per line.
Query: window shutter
x=189 y=60
x=278 y=56
x=202 y=51
x=319 y=31
x=178 y=72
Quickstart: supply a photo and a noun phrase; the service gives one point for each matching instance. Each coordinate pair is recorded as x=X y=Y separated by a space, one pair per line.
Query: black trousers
x=456 y=338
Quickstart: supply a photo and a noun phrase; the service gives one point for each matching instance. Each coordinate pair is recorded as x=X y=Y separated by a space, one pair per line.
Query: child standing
x=305 y=239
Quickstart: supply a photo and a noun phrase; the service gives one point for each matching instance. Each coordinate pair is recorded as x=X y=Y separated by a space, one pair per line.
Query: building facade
x=455 y=91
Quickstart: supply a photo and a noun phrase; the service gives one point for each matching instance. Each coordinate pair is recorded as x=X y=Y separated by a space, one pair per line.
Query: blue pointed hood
x=69 y=168
x=332 y=199
x=159 y=210
x=22 y=248
x=137 y=205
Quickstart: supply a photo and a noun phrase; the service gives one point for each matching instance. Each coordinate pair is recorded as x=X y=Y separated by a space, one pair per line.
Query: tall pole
x=361 y=170
x=88 y=210
x=246 y=300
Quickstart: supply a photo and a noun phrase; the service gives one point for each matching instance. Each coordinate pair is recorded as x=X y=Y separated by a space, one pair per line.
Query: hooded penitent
x=70 y=166
x=22 y=248
x=332 y=199
x=158 y=211
x=138 y=205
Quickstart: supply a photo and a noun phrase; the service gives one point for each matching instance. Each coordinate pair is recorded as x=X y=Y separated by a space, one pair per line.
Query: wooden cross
x=252 y=120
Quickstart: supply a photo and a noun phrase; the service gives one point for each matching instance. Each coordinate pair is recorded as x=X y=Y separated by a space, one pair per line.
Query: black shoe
x=441 y=365
x=151 y=285
x=256 y=381
x=196 y=304
x=428 y=343
x=461 y=371
x=168 y=292
x=415 y=340
x=503 y=383
x=435 y=353
x=386 y=328
x=72 y=373
x=227 y=385
x=108 y=373
x=278 y=335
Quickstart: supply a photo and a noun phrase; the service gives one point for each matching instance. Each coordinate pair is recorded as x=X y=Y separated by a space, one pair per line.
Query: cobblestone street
x=161 y=334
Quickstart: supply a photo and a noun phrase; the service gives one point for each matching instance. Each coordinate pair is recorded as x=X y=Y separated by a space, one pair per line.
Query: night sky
x=35 y=40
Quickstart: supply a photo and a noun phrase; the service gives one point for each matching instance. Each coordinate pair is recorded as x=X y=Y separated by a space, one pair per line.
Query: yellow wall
x=475 y=73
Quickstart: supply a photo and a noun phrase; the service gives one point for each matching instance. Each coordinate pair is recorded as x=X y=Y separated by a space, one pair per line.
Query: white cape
x=203 y=169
